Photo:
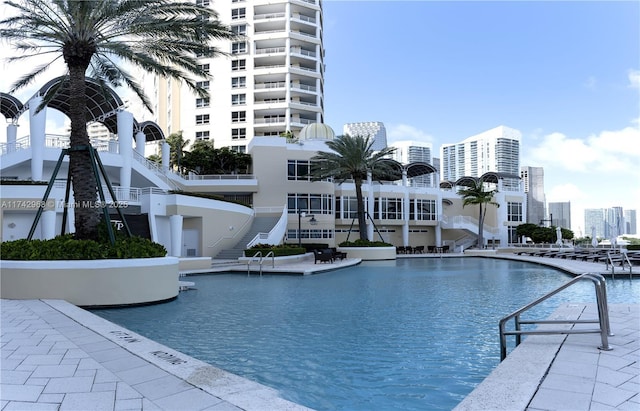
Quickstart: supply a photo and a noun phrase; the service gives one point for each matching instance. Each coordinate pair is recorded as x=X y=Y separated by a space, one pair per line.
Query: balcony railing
x=268 y=16
x=270 y=50
x=275 y=84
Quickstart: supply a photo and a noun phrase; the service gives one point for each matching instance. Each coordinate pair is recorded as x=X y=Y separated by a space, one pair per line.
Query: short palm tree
x=476 y=194
x=352 y=158
x=95 y=38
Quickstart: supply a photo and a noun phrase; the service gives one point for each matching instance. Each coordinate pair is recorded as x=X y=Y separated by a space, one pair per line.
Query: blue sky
x=566 y=74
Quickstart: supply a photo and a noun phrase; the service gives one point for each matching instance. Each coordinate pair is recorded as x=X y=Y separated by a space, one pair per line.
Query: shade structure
x=594 y=240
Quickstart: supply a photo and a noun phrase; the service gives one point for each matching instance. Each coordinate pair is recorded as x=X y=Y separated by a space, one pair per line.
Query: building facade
x=533 y=182
x=560 y=214
x=412 y=152
x=630 y=222
x=372 y=129
x=271 y=83
x=495 y=150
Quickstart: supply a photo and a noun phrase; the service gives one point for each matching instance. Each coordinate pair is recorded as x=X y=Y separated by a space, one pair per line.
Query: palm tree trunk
x=87 y=215
x=481 y=228
x=362 y=221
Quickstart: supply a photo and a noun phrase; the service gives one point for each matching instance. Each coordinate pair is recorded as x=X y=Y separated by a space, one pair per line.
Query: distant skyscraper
x=412 y=152
x=495 y=150
x=561 y=213
x=533 y=180
x=594 y=217
x=630 y=222
x=373 y=129
x=614 y=222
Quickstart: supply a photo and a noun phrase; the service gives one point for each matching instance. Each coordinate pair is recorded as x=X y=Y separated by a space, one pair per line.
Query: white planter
x=370 y=253
x=92 y=282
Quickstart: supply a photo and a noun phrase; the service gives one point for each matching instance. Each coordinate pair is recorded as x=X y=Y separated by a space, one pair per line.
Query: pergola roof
x=419 y=168
x=102 y=101
x=493 y=176
x=151 y=130
x=10 y=107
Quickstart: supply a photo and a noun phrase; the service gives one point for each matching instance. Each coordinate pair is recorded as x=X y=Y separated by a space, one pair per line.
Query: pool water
x=410 y=334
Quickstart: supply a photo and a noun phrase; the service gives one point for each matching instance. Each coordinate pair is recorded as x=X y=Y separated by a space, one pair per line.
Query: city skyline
x=457 y=69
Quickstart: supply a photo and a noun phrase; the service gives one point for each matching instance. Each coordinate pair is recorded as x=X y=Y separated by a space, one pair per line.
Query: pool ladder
x=603 y=317
x=260 y=259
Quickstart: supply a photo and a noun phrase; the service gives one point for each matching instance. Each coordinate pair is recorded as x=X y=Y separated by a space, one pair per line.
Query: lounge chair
x=431 y=249
x=338 y=254
x=322 y=256
x=418 y=249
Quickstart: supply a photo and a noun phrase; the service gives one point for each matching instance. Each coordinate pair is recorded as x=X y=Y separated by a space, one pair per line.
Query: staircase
x=259 y=225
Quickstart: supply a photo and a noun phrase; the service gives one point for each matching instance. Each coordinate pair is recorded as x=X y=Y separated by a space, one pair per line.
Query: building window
x=202 y=102
x=239 y=47
x=239 y=149
x=237 y=65
x=203 y=52
x=238 y=13
x=292 y=234
x=202 y=119
x=422 y=210
x=514 y=211
x=238 y=99
x=238 y=133
x=347 y=207
x=239 y=29
x=238 y=82
x=204 y=67
x=388 y=208
x=202 y=135
x=202 y=3
x=203 y=84
x=238 y=116
x=310 y=203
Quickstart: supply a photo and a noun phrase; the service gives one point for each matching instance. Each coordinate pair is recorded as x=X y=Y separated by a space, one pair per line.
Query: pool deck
x=56 y=356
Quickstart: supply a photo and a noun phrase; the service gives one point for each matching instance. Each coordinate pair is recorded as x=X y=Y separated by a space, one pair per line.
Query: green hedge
x=365 y=243
x=68 y=248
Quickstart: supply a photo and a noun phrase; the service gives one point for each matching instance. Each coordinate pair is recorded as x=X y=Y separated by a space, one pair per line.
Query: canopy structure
x=10 y=107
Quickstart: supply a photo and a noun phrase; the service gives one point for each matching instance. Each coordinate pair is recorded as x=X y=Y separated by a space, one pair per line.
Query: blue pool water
x=411 y=334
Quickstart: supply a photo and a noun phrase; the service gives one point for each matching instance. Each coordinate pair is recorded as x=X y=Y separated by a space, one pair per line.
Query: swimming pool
x=411 y=334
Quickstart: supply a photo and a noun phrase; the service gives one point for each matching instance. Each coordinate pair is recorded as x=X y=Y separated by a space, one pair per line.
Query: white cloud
x=400 y=132
x=634 y=78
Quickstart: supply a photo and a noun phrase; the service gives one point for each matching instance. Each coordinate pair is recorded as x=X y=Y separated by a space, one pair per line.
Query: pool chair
x=418 y=249
x=338 y=254
x=431 y=249
x=322 y=256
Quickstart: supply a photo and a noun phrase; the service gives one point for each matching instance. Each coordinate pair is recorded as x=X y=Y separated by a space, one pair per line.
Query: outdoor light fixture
x=312 y=221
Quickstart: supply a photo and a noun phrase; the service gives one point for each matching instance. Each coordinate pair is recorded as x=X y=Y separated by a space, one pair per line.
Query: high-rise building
x=560 y=214
x=372 y=129
x=594 y=218
x=271 y=82
x=630 y=225
x=533 y=181
x=496 y=150
x=614 y=222
x=413 y=152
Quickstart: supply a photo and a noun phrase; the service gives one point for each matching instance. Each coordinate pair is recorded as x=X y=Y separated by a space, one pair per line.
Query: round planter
x=370 y=253
x=89 y=283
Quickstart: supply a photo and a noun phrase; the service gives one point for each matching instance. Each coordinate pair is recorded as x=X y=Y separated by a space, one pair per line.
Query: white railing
x=155 y=168
x=268 y=16
x=302 y=33
x=467 y=222
x=275 y=84
x=304 y=68
x=303 y=87
x=221 y=177
x=269 y=120
x=270 y=50
x=301 y=51
x=278 y=231
x=304 y=18
x=270 y=67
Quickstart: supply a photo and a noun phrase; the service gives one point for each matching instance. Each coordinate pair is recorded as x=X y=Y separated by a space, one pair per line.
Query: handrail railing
x=624 y=259
x=260 y=261
x=603 y=316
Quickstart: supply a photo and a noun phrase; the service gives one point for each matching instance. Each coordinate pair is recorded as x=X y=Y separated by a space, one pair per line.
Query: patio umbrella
x=558 y=236
x=594 y=240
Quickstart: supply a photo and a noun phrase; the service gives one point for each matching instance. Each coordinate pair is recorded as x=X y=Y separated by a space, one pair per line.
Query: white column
x=370 y=206
x=166 y=155
x=48 y=224
x=125 y=141
x=37 y=124
x=175 y=224
x=12 y=136
x=141 y=141
x=405 y=210
x=438 y=235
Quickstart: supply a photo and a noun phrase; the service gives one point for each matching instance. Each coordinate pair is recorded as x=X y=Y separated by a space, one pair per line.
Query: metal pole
x=299 y=230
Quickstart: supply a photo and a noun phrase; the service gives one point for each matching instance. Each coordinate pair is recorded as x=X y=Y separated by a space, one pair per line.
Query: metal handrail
x=624 y=259
x=603 y=316
x=260 y=261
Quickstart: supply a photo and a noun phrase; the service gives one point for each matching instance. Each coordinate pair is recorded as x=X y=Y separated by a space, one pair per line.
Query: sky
x=566 y=74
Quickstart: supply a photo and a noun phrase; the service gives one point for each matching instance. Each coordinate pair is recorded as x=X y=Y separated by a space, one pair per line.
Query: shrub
x=66 y=247
x=364 y=243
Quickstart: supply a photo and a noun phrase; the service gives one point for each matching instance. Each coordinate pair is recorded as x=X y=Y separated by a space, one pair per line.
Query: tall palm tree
x=352 y=158
x=476 y=194
x=95 y=38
